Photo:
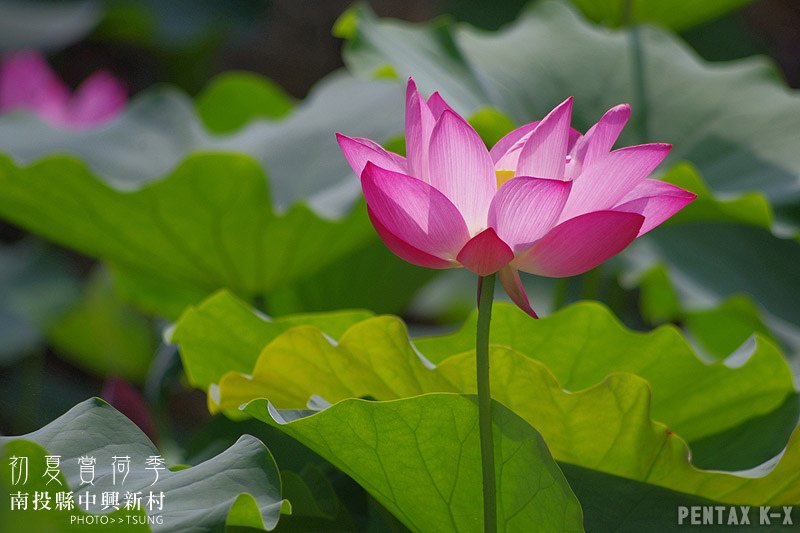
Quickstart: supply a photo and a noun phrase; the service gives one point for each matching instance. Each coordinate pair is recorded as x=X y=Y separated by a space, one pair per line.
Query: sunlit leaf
x=607 y=427
x=223 y=334
x=581 y=345
x=584 y=343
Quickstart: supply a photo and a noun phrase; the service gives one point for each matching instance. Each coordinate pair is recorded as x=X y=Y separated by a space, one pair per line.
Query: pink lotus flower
x=27 y=82
x=545 y=200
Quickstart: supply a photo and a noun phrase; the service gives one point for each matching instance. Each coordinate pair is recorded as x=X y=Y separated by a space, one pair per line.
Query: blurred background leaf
x=104 y=335
x=45 y=25
x=673 y=14
x=231 y=100
x=37 y=284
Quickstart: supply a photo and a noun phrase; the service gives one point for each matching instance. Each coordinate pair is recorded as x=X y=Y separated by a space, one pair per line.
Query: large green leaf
x=733 y=121
x=36 y=285
x=605 y=427
x=198 y=498
x=673 y=14
x=209 y=224
x=420 y=458
x=583 y=343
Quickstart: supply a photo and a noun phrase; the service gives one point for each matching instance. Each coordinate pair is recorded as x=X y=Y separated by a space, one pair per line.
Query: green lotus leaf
x=583 y=343
x=609 y=503
x=223 y=334
x=606 y=427
x=674 y=14
x=234 y=99
x=420 y=458
x=210 y=224
x=612 y=503
x=198 y=498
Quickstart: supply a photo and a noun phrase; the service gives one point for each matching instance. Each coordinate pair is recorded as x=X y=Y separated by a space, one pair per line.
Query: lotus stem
x=485 y=298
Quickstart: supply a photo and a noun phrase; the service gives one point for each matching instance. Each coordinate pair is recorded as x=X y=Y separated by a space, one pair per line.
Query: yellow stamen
x=503 y=176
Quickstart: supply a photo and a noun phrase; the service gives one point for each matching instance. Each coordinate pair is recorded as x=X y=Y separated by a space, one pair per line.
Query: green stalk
x=560 y=293
x=637 y=70
x=485 y=298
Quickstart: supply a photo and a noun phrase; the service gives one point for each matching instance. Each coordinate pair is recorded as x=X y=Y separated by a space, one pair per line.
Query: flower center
x=503 y=176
